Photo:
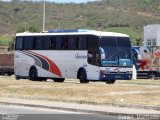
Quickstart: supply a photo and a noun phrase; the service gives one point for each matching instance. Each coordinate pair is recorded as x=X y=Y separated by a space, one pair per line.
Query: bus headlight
x=129 y=72
x=104 y=72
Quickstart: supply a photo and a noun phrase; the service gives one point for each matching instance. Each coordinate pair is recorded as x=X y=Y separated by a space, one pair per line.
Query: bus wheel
x=17 y=77
x=110 y=81
x=33 y=74
x=58 y=79
x=41 y=79
x=82 y=77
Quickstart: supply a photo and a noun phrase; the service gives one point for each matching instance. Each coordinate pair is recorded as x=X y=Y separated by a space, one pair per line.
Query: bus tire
x=41 y=79
x=110 y=81
x=60 y=80
x=82 y=76
x=17 y=77
x=33 y=74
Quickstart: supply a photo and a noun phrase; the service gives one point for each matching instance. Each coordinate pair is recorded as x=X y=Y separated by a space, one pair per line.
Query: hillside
x=125 y=16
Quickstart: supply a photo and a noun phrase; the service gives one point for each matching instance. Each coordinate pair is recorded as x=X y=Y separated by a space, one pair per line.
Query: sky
x=62 y=1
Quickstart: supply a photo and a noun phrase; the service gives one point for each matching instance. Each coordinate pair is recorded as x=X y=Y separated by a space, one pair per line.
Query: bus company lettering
x=80 y=56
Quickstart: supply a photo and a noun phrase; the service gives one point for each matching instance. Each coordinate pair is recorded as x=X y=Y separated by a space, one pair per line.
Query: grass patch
x=141 y=82
x=5 y=40
x=92 y=93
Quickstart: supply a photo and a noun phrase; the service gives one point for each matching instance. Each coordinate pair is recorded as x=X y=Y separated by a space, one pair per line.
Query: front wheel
x=110 y=81
x=82 y=77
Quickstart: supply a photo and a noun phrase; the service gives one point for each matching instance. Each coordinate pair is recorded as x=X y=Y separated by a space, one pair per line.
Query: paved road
x=28 y=113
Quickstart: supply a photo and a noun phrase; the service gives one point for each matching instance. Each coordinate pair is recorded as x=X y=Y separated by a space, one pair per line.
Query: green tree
x=16 y=9
x=21 y=29
x=138 y=41
x=11 y=43
x=33 y=29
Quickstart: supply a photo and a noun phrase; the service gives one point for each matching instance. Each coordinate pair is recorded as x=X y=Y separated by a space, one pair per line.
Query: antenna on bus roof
x=66 y=31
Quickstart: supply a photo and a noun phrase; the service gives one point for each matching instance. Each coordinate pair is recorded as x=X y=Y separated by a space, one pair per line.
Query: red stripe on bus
x=53 y=67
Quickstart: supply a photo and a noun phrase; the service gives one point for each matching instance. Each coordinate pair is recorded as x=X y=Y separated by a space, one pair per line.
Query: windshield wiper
x=113 y=54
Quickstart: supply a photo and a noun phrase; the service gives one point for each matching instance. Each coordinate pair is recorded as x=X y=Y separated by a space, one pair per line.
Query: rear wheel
x=9 y=74
x=59 y=80
x=17 y=77
x=33 y=74
x=41 y=79
x=110 y=81
x=82 y=76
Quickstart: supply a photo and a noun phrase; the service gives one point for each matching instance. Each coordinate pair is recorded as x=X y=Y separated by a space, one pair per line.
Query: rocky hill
x=125 y=16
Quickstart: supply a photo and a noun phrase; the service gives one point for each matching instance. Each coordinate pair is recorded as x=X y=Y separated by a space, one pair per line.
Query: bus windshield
x=116 y=51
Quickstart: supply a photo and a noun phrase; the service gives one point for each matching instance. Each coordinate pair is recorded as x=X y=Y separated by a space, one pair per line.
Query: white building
x=152 y=35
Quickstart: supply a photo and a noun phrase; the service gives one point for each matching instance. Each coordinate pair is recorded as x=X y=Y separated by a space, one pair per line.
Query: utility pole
x=59 y=21
x=44 y=15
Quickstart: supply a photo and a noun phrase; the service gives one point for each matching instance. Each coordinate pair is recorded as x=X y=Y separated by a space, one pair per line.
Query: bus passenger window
x=82 y=43
x=65 y=43
x=58 y=42
x=72 y=43
x=93 y=50
x=93 y=58
x=19 y=43
x=28 y=43
x=52 y=43
x=38 y=42
x=46 y=43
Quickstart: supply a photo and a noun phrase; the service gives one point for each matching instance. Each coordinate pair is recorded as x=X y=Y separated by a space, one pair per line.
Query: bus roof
x=81 y=32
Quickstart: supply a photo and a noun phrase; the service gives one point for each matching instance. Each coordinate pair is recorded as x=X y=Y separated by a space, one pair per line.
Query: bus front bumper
x=124 y=76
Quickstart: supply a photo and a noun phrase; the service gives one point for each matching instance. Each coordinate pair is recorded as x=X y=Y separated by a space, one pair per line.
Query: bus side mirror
x=102 y=56
x=136 y=54
x=102 y=53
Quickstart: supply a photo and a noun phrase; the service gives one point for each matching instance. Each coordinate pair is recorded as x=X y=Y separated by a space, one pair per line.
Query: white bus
x=87 y=55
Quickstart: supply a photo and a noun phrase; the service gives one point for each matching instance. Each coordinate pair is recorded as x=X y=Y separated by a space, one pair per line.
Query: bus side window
x=82 y=43
x=38 y=43
x=46 y=43
x=65 y=43
x=93 y=57
x=28 y=43
x=72 y=42
x=49 y=43
x=52 y=43
x=19 y=43
x=93 y=50
x=58 y=42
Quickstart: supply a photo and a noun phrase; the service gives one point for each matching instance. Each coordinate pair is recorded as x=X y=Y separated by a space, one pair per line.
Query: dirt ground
x=134 y=92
